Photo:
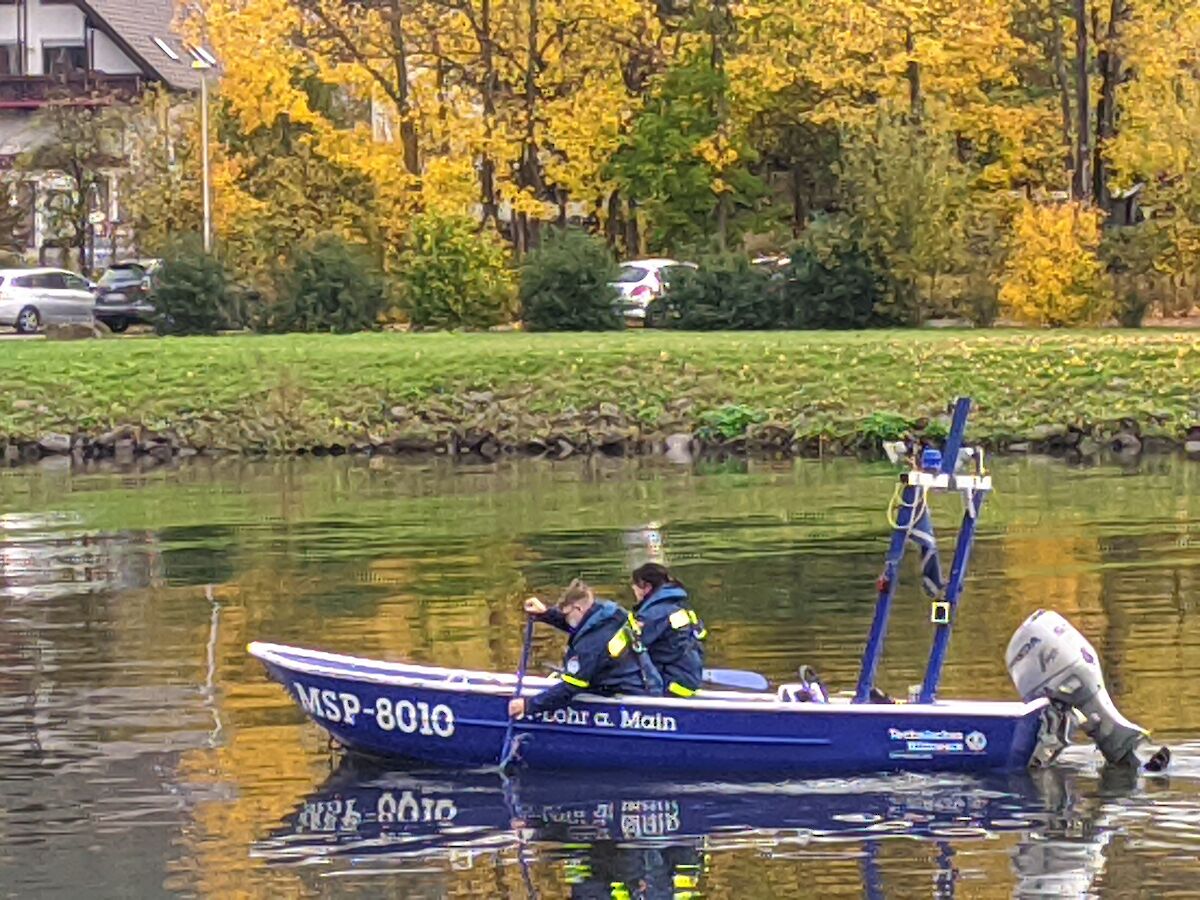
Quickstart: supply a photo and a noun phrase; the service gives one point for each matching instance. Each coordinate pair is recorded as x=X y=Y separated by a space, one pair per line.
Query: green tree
x=835 y=287
x=905 y=195
x=192 y=292
x=725 y=293
x=12 y=222
x=682 y=161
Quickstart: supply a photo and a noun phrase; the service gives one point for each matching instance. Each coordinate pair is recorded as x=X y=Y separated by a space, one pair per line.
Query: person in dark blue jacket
x=670 y=629
x=603 y=653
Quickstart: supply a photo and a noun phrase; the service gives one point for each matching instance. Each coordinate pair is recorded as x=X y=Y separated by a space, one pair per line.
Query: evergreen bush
x=330 y=285
x=839 y=288
x=725 y=294
x=566 y=285
x=192 y=293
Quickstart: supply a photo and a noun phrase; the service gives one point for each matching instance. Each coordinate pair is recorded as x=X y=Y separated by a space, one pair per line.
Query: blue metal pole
x=962 y=552
x=891 y=567
x=958 y=427
x=887 y=589
x=958 y=573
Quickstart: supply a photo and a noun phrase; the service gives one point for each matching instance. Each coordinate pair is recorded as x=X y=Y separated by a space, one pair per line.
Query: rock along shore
x=479 y=425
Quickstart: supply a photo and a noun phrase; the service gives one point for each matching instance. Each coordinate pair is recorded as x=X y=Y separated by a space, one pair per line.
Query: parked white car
x=641 y=280
x=33 y=298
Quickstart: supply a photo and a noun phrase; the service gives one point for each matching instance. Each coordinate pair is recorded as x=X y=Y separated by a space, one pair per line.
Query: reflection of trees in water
x=197 y=554
x=45 y=558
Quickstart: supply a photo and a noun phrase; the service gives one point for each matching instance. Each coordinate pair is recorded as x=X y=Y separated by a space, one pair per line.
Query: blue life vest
x=672 y=633
x=603 y=656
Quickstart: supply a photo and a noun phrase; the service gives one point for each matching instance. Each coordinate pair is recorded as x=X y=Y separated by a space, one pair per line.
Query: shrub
x=727 y=293
x=192 y=293
x=330 y=285
x=728 y=422
x=1052 y=275
x=453 y=276
x=566 y=285
x=838 y=288
x=1133 y=257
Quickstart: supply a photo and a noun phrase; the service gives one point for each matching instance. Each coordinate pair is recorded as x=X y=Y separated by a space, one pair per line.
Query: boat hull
x=459 y=717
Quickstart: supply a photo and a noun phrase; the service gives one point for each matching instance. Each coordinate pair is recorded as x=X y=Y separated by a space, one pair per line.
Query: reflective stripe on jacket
x=603 y=656
x=672 y=634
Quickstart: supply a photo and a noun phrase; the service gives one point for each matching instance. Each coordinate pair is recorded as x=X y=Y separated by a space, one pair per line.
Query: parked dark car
x=123 y=293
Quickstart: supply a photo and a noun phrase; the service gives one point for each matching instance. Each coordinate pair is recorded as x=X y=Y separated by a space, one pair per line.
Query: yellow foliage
x=1052 y=275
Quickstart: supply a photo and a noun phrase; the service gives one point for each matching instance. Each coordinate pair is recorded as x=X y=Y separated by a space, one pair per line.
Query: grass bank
x=493 y=392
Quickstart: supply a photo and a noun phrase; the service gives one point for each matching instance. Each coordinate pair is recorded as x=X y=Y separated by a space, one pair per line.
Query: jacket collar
x=601 y=611
x=662 y=595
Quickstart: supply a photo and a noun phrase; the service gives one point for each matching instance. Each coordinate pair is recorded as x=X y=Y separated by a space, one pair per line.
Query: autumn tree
x=82 y=143
x=1158 y=143
x=905 y=192
x=161 y=185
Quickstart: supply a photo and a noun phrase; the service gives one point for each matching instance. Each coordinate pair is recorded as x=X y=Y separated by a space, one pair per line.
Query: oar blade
x=737 y=678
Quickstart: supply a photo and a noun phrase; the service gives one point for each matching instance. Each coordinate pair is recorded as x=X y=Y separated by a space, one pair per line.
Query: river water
x=143 y=753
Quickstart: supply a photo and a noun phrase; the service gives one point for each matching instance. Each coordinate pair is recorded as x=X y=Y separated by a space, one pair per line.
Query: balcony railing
x=32 y=91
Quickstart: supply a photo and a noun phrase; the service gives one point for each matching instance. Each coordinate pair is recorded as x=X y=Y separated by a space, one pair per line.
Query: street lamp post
x=202 y=67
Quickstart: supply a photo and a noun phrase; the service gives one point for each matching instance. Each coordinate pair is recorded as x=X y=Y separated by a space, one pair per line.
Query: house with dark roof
x=88 y=51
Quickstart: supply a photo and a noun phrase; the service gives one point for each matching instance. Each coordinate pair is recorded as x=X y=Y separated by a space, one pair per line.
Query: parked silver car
x=32 y=298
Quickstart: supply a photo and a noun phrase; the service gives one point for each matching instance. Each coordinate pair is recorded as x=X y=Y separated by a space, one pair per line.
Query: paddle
x=738 y=678
x=509 y=748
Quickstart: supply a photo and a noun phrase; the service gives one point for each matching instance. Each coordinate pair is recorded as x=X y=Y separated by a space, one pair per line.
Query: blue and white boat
x=400 y=711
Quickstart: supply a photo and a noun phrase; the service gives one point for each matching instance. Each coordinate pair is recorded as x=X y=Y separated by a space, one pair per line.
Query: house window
x=64 y=59
x=10 y=59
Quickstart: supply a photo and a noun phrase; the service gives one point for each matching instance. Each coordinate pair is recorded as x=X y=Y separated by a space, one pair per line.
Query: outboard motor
x=1048 y=657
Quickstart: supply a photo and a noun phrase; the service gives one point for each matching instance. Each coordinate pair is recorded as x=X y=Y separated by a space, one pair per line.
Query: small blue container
x=931 y=459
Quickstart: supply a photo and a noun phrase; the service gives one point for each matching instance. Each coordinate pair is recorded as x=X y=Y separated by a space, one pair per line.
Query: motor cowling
x=1048 y=657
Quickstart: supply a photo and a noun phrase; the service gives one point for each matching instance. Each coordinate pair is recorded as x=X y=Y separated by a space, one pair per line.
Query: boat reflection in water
x=661 y=839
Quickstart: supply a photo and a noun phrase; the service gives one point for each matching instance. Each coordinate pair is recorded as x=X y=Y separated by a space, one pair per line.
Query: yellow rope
x=896 y=503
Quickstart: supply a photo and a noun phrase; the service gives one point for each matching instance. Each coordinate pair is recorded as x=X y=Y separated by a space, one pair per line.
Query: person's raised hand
x=534 y=606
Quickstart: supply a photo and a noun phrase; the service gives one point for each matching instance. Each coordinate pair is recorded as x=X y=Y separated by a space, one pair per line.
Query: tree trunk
x=722 y=28
x=612 y=226
x=1064 y=95
x=443 y=101
x=487 y=166
x=799 y=210
x=633 y=238
x=913 y=73
x=722 y=220
x=1081 y=187
x=1109 y=62
x=529 y=171
x=408 y=128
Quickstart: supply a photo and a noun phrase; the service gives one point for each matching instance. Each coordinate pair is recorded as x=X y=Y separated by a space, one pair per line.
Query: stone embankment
x=480 y=425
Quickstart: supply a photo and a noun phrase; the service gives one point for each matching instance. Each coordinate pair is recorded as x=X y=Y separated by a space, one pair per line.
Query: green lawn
x=283 y=392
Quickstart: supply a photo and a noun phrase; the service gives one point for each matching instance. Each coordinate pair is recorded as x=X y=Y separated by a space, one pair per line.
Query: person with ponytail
x=670 y=629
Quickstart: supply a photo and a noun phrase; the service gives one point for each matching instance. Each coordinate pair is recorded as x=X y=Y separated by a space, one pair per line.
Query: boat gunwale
x=330 y=665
